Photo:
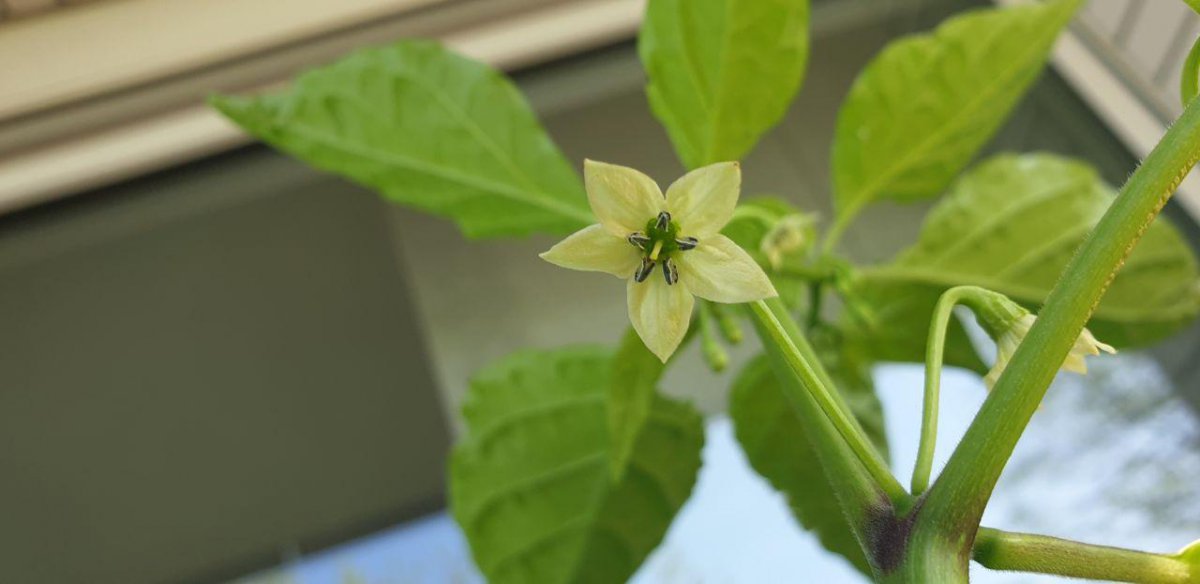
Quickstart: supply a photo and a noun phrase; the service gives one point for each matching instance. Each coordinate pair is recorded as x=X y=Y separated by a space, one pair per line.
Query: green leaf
x=1195 y=4
x=530 y=483
x=636 y=372
x=722 y=72
x=426 y=128
x=1011 y=225
x=926 y=104
x=776 y=445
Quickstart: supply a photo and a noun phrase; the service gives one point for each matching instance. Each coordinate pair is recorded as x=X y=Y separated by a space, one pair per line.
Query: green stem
x=728 y=325
x=770 y=317
x=815 y=296
x=1021 y=552
x=859 y=497
x=934 y=349
x=809 y=273
x=955 y=504
x=844 y=218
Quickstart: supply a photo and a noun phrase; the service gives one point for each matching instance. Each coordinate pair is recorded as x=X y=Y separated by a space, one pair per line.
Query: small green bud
x=995 y=312
x=792 y=234
x=714 y=353
x=728 y=324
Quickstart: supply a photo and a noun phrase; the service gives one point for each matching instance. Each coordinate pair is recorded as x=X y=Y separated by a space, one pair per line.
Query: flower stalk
x=934 y=350
x=1007 y=323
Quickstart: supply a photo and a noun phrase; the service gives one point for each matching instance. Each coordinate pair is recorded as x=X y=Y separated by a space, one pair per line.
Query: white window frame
x=1116 y=103
x=111 y=90
x=107 y=91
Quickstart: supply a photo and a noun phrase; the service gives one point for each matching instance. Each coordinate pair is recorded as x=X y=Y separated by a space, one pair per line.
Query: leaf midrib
x=442 y=172
x=714 y=118
x=989 y=225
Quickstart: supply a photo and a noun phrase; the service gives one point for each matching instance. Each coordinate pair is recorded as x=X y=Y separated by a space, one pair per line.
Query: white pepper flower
x=1007 y=344
x=642 y=232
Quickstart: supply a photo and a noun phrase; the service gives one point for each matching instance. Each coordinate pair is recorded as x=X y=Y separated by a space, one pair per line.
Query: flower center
x=658 y=242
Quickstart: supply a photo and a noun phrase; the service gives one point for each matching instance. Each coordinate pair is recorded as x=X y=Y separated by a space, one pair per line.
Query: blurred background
x=217 y=364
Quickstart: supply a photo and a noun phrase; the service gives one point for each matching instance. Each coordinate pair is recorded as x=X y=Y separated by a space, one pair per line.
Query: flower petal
x=702 y=201
x=595 y=250
x=994 y=373
x=1092 y=345
x=720 y=271
x=1005 y=347
x=660 y=314
x=622 y=198
x=1075 y=363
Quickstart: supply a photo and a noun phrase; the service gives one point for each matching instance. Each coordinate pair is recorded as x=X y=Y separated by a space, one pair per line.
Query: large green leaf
x=634 y=384
x=926 y=104
x=722 y=72
x=776 y=445
x=530 y=483
x=1012 y=224
x=426 y=128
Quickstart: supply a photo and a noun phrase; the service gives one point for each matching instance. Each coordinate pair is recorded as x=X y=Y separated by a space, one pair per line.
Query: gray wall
x=203 y=369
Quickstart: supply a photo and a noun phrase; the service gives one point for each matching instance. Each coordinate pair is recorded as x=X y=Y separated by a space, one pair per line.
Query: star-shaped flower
x=1007 y=344
x=668 y=247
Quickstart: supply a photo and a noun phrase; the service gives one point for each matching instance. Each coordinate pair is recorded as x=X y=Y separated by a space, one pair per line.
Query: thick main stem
x=1022 y=552
x=955 y=504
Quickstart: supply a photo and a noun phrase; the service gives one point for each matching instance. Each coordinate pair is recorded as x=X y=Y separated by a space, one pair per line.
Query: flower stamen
x=670 y=272
x=658 y=243
x=644 y=270
x=664 y=219
x=638 y=240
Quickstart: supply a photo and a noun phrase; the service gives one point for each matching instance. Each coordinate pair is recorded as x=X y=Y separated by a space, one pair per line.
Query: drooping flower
x=669 y=247
x=1008 y=341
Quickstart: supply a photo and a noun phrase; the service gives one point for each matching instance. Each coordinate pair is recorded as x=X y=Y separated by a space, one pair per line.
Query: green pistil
x=662 y=240
x=658 y=244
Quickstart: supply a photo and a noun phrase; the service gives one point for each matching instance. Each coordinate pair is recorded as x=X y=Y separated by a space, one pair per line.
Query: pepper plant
x=573 y=466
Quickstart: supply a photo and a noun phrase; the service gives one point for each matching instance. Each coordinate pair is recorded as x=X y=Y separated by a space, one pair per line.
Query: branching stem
x=1022 y=552
x=802 y=360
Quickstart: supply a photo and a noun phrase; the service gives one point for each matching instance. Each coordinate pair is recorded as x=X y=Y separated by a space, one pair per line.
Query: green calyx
x=995 y=312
